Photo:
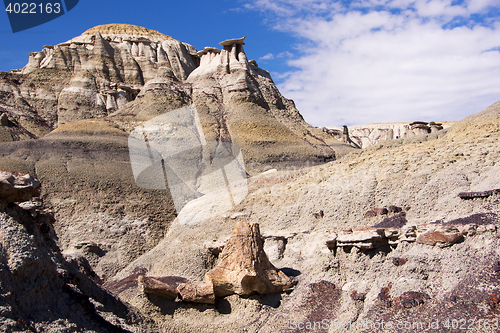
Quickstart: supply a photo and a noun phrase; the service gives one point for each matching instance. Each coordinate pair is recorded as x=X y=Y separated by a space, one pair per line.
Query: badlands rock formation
x=112 y=79
x=94 y=74
x=405 y=231
x=421 y=254
x=107 y=67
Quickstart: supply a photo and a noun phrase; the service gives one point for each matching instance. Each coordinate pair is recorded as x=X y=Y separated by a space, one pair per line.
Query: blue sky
x=342 y=62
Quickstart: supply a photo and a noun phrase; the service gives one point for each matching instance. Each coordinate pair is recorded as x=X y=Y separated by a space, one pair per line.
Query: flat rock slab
x=364 y=238
x=438 y=234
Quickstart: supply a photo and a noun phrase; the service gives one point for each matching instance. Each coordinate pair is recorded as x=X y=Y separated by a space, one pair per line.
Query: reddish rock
x=370 y=213
x=381 y=211
x=384 y=296
x=399 y=261
x=412 y=299
x=17 y=186
x=198 y=293
x=244 y=267
x=322 y=287
x=154 y=286
x=438 y=234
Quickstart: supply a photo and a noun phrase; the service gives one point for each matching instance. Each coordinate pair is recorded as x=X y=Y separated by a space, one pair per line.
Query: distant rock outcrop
x=363 y=136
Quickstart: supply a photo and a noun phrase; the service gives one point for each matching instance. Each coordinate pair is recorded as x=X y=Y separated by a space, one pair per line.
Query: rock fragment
x=17 y=186
x=365 y=238
x=438 y=234
x=154 y=286
x=198 y=293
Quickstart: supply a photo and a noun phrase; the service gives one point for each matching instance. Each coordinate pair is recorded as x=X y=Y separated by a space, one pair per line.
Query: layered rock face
x=88 y=76
x=240 y=102
x=237 y=102
x=108 y=71
x=107 y=67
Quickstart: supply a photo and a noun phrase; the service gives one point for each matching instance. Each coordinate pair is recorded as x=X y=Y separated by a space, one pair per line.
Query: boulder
x=17 y=187
x=244 y=267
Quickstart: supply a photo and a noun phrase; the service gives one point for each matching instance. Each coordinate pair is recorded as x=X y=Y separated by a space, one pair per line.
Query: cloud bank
x=367 y=61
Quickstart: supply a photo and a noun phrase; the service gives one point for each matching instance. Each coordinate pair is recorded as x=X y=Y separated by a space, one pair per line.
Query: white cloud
x=285 y=54
x=395 y=63
x=268 y=56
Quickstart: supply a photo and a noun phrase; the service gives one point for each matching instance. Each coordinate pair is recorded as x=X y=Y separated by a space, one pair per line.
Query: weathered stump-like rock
x=17 y=187
x=245 y=267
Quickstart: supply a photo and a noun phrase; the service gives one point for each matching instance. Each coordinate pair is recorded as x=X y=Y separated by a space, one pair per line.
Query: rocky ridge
x=363 y=136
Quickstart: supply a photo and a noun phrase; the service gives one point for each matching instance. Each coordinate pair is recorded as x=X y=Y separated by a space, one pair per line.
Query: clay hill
x=405 y=231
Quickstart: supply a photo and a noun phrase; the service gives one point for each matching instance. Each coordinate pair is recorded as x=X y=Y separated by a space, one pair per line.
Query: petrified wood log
x=438 y=234
x=245 y=267
x=153 y=286
x=199 y=293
